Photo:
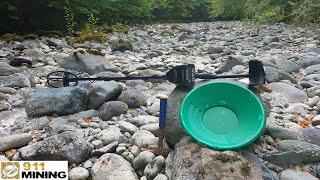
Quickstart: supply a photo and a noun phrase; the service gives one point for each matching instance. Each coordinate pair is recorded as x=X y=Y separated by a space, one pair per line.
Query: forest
x=71 y=15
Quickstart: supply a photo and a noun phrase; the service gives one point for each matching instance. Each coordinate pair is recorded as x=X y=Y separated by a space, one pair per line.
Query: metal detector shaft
x=209 y=76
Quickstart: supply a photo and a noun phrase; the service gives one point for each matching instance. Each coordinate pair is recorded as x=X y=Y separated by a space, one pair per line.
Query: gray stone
x=133 y=83
x=295 y=108
x=112 y=108
x=62 y=101
x=120 y=150
x=135 y=150
x=20 y=60
x=143 y=120
x=286 y=76
x=14 y=141
x=78 y=173
x=154 y=108
x=97 y=144
x=291 y=93
x=144 y=139
x=142 y=160
x=110 y=148
x=111 y=134
x=287 y=65
x=15 y=80
x=133 y=98
x=310 y=135
x=120 y=44
x=87 y=62
x=191 y=160
x=313 y=50
x=184 y=37
x=111 y=167
x=309 y=61
x=272 y=74
x=3 y=158
x=4 y=106
x=6 y=69
x=161 y=177
x=215 y=49
x=102 y=92
x=8 y=90
x=290 y=174
x=294 y=152
x=154 y=167
x=313 y=69
x=270 y=39
x=127 y=127
x=88 y=164
x=153 y=128
x=237 y=69
x=66 y=128
x=313 y=91
x=229 y=64
x=276 y=131
x=65 y=146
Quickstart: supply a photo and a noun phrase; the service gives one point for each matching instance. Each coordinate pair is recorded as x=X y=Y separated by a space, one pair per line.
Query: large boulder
x=111 y=167
x=289 y=92
x=66 y=146
x=119 y=44
x=15 y=80
x=191 y=160
x=102 y=92
x=87 y=62
x=62 y=101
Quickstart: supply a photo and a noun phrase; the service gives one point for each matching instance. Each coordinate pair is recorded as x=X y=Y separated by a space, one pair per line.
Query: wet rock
x=133 y=98
x=112 y=108
x=6 y=69
x=15 y=80
x=87 y=62
x=111 y=167
x=291 y=93
x=14 y=141
x=191 y=160
x=78 y=173
x=120 y=44
x=144 y=139
x=111 y=134
x=154 y=167
x=143 y=120
x=65 y=146
x=290 y=174
x=102 y=92
x=62 y=101
x=142 y=160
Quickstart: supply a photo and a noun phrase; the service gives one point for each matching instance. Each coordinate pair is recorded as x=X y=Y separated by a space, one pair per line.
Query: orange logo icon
x=10 y=170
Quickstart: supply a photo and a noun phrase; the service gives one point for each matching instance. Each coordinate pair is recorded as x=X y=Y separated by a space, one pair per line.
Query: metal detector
x=182 y=75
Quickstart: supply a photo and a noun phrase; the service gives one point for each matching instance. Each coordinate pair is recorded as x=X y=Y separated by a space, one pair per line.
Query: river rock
x=309 y=61
x=276 y=131
x=6 y=69
x=120 y=44
x=272 y=74
x=287 y=65
x=111 y=167
x=291 y=93
x=65 y=146
x=144 y=139
x=154 y=167
x=110 y=148
x=191 y=160
x=161 y=177
x=142 y=160
x=102 y=92
x=154 y=108
x=270 y=39
x=314 y=69
x=111 y=134
x=143 y=120
x=133 y=98
x=78 y=173
x=229 y=64
x=310 y=136
x=62 y=101
x=15 y=80
x=86 y=62
x=14 y=141
x=290 y=174
x=127 y=127
x=112 y=108
x=20 y=60
x=215 y=49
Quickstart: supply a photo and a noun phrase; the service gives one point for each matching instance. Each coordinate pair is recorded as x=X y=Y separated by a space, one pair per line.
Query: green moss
x=245 y=168
x=30 y=36
x=50 y=33
x=88 y=36
x=167 y=32
x=11 y=37
x=95 y=52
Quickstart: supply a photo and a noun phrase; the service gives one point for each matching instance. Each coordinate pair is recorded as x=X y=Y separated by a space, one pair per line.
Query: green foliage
x=227 y=9
x=69 y=18
x=306 y=12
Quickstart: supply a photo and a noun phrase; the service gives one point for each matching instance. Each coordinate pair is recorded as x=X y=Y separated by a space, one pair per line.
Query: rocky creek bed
x=107 y=130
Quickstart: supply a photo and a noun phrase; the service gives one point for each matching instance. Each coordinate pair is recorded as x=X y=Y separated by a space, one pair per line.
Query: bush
x=306 y=12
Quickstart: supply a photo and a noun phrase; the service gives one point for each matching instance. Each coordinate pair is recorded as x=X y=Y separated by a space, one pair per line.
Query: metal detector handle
x=163 y=111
